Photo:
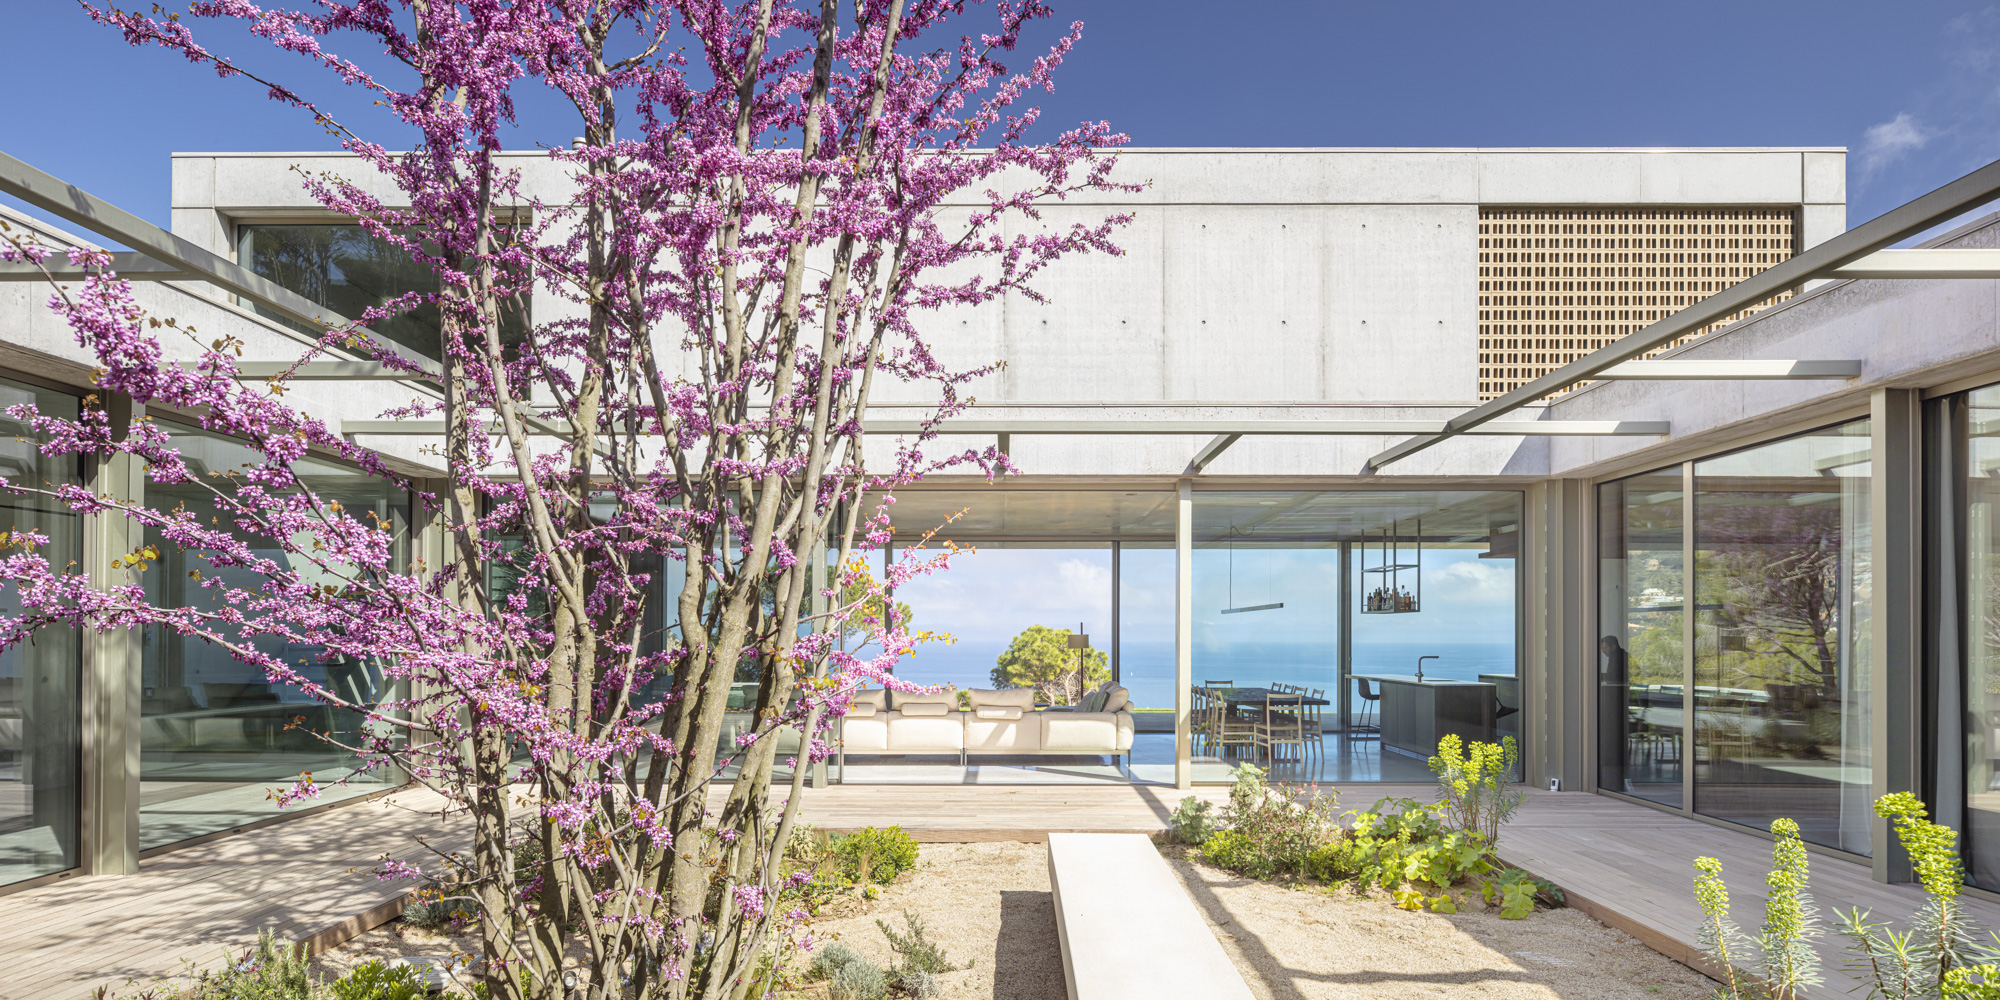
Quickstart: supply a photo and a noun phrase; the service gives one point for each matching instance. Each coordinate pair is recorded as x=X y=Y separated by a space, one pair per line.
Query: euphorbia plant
x=749 y=235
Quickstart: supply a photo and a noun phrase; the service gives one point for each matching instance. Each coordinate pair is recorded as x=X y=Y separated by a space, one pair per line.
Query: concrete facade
x=1256 y=283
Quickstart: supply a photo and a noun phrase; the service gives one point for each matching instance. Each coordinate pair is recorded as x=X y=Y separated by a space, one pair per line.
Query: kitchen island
x=1416 y=714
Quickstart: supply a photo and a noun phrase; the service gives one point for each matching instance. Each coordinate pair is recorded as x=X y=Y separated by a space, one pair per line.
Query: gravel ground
x=988 y=905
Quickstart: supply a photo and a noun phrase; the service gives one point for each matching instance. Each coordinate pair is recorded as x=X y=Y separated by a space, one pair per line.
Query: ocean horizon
x=1147 y=668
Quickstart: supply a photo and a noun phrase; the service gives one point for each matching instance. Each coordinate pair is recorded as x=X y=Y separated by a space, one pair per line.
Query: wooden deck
x=301 y=878
x=1627 y=865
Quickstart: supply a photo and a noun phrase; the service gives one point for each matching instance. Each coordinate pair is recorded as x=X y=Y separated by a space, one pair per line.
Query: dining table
x=1257 y=696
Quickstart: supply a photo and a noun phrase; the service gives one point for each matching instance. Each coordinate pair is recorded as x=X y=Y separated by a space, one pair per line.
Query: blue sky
x=1912 y=87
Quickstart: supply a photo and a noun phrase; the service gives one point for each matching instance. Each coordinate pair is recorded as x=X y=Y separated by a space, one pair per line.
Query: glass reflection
x=350 y=270
x=1981 y=601
x=1782 y=582
x=215 y=734
x=39 y=707
x=1641 y=618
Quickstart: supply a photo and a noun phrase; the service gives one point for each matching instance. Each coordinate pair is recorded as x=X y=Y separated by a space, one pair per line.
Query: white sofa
x=998 y=722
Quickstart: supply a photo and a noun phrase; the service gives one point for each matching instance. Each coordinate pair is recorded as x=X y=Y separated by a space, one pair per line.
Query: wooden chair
x=1231 y=729
x=1282 y=723
x=1315 y=718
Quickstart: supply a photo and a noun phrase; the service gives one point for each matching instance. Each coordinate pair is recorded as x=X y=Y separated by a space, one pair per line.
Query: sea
x=1147 y=668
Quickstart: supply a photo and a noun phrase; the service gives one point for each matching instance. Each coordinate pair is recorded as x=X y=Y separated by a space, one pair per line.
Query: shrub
x=1239 y=853
x=273 y=970
x=914 y=952
x=1472 y=785
x=1192 y=822
x=832 y=958
x=1784 y=946
x=1936 y=956
x=372 y=980
x=876 y=855
x=859 y=980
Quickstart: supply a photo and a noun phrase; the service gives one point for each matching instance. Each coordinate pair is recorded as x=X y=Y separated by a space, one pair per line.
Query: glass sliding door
x=40 y=708
x=216 y=735
x=1782 y=580
x=1641 y=631
x=1977 y=606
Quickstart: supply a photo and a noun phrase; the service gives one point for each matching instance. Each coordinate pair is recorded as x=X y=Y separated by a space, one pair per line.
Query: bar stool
x=1369 y=697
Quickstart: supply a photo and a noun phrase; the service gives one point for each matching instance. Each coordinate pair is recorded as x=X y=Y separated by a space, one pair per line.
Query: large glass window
x=349 y=270
x=39 y=707
x=1642 y=623
x=1782 y=580
x=216 y=733
x=1397 y=608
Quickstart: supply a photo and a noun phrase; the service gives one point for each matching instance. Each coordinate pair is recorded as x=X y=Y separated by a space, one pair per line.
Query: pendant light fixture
x=1233 y=610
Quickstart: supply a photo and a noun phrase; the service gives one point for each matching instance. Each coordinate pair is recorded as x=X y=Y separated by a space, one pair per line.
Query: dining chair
x=1201 y=721
x=1315 y=718
x=1282 y=723
x=1230 y=728
x=1219 y=684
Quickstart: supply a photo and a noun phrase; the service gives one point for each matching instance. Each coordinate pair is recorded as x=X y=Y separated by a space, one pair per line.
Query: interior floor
x=1335 y=759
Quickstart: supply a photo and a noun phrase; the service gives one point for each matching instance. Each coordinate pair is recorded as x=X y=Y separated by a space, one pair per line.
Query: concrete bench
x=1128 y=929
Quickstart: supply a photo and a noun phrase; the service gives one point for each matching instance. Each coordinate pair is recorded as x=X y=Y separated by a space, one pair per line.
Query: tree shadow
x=1027 y=957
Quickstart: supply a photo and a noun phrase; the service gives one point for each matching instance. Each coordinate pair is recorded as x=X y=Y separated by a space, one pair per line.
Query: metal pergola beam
x=1946 y=262
x=328 y=371
x=1675 y=369
x=1948 y=202
x=72 y=204
x=128 y=265
x=1211 y=451
x=1220 y=428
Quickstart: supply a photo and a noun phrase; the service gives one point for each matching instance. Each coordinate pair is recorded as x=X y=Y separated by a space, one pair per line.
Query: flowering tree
x=752 y=230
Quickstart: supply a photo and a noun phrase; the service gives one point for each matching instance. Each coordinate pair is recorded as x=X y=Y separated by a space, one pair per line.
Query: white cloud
x=1883 y=143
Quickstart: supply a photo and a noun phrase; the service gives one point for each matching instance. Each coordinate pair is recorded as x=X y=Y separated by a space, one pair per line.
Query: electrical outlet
x=1555 y=784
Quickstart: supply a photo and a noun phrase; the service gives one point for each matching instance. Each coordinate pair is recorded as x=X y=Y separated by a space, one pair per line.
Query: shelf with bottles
x=1391 y=586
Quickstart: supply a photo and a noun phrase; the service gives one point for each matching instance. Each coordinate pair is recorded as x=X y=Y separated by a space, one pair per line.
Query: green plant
x=859 y=980
x=1516 y=891
x=1786 y=959
x=914 y=952
x=1239 y=853
x=1934 y=957
x=1273 y=830
x=1192 y=822
x=872 y=855
x=832 y=959
x=373 y=980
x=922 y=985
x=1472 y=784
x=273 y=970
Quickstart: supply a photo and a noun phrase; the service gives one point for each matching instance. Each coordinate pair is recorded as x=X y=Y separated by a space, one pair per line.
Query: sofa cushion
x=997 y=711
x=1087 y=732
x=1116 y=698
x=862 y=710
x=1022 y=698
x=878 y=697
x=925 y=708
x=904 y=699
x=865 y=735
x=926 y=734
x=1092 y=702
x=1022 y=735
